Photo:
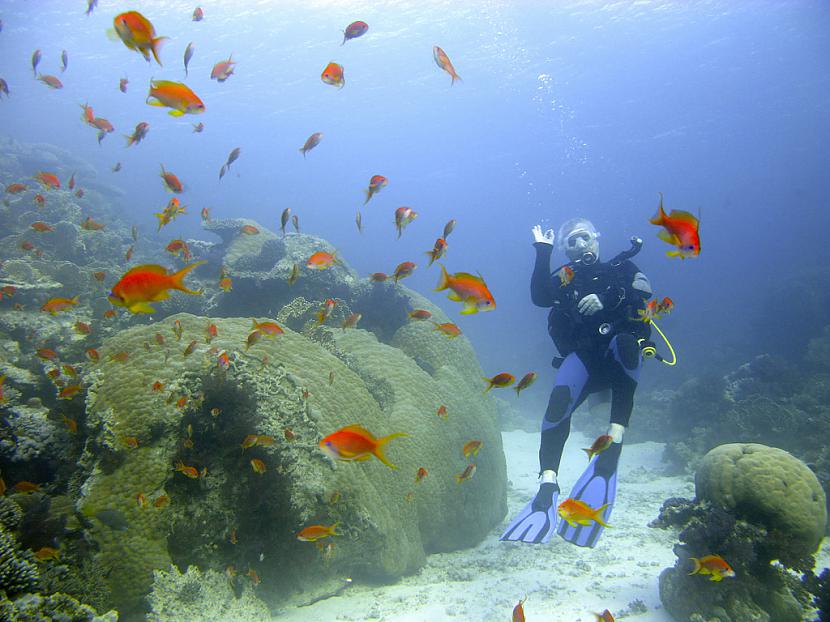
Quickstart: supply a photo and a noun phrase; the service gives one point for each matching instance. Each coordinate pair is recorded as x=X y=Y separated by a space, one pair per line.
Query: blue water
x=564 y=109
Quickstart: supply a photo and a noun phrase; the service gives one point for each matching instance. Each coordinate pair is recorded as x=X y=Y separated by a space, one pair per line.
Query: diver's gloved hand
x=539 y=237
x=589 y=305
x=544 y=498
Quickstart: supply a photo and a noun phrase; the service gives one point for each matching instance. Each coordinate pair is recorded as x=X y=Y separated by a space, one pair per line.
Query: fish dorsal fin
x=466 y=275
x=682 y=216
x=150 y=267
x=358 y=429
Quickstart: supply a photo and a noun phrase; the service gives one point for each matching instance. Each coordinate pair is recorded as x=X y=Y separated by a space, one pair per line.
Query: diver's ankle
x=548 y=477
x=616 y=432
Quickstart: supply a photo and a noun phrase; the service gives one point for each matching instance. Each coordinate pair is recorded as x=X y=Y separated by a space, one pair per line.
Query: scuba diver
x=595 y=326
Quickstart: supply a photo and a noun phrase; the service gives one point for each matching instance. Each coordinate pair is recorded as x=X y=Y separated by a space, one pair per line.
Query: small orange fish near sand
x=601 y=443
x=576 y=512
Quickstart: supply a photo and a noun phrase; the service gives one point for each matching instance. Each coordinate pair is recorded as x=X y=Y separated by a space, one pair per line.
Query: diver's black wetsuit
x=593 y=361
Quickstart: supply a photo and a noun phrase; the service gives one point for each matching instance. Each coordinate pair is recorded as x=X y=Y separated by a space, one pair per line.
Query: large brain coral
x=178 y=440
x=766 y=486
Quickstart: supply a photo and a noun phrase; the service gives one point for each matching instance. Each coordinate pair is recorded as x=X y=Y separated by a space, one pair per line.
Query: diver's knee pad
x=628 y=351
x=558 y=407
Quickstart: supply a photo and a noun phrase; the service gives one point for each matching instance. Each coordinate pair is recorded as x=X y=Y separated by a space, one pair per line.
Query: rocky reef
x=139 y=445
x=762 y=511
x=766 y=400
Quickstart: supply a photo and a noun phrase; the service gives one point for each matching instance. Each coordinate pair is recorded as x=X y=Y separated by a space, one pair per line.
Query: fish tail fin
x=368 y=192
x=332 y=529
x=454 y=77
x=696 y=563
x=344 y=39
x=155 y=45
x=443 y=280
x=589 y=452
x=660 y=217
x=177 y=279
x=378 y=451
x=486 y=379
x=598 y=515
x=517 y=389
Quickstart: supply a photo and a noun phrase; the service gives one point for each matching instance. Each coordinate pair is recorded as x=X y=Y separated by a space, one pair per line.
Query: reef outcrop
x=762 y=511
x=170 y=478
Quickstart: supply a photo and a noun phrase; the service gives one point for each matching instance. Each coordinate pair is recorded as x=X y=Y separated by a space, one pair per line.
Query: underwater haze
x=563 y=109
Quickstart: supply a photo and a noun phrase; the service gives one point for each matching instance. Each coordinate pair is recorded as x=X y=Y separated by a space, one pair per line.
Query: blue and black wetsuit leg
x=624 y=376
x=568 y=393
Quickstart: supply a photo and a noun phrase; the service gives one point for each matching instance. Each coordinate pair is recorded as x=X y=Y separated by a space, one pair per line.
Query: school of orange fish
x=141 y=285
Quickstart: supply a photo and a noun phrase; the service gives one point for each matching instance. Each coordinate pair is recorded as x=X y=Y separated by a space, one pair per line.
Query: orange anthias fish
x=467 y=288
x=420 y=475
x=471 y=448
x=312 y=533
x=605 y=616
x=601 y=443
x=403 y=270
x=499 y=381
x=680 y=229
x=528 y=379
x=311 y=142
x=466 y=474
x=355 y=30
x=438 y=251
x=321 y=260
x=713 y=565
x=404 y=216
x=443 y=61
x=148 y=283
x=376 y=184
x=325 y=310
x=50 y=81
x=655 y=310
x=519 y=611
x=566 y=275
x=333 y=74
x=356 y=443
x=576 y=512
x=222 y=70
x=138 y=134
x=138 y=34
x=171 y=182
x=448 y=328
x=55 y=305
x=174 y=95
x=48 y=180
x=269 y=329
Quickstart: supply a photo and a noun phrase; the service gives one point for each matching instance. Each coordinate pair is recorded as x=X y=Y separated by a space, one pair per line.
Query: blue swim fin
x=536 y=523
x=596 y=487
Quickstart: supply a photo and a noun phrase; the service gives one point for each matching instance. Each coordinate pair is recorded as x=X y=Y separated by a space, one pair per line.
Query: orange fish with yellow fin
x=354 y=443
x=148 y=283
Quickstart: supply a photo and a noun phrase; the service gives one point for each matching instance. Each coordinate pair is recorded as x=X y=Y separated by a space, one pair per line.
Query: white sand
x=562 y=582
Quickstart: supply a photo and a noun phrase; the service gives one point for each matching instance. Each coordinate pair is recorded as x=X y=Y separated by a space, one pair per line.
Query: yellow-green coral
x=766 y=485
x=294 y=390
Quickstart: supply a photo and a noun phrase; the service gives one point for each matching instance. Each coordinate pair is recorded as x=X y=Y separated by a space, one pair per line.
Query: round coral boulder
x=767 y=486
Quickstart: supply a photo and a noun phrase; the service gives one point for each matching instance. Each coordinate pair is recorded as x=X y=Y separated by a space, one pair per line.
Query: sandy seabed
x=562 y=582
